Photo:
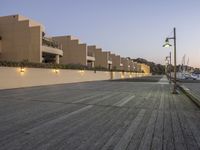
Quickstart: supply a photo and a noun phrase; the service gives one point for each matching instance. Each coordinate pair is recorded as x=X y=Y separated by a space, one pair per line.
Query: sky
x=130 y=28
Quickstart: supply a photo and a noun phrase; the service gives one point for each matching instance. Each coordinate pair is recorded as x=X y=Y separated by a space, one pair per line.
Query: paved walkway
x=192 y=89
x=108 y=115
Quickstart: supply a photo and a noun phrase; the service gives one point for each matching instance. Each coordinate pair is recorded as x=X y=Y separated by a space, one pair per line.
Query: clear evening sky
x=131 y=28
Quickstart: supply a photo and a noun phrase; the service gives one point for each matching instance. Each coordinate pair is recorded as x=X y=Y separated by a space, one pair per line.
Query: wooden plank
x=168 y=138
x=123 y=143
x=179 y=142
x=111 y=131
x=94 y=95
x=124 y=101
x=94 y=140
x=59 y=119
x=95 y=101
x=115 y=138
x=157 y=139
x=148 y=135
x=137 y=138
x=194 y=132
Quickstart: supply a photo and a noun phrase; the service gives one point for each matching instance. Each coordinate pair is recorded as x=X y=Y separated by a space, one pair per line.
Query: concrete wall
x=73 y=52
x=11 y=77
x=20 y=39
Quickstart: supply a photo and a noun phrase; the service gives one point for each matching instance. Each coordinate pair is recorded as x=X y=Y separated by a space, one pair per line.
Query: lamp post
x=168 y=45
x=169 y=57
x=166 y=65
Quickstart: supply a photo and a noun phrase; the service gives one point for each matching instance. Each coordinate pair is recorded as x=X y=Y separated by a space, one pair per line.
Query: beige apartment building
x=75 y=52
x=131 y=63
x=102 y=58
x=116 y=62
x=24 y=39
x=145 y=68
x=135 y=67
x=126 y=64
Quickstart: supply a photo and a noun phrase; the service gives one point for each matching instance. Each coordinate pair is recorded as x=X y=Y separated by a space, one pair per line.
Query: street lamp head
x=167 y=43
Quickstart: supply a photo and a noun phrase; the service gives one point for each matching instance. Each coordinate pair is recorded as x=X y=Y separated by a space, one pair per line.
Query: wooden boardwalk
x=105 y=115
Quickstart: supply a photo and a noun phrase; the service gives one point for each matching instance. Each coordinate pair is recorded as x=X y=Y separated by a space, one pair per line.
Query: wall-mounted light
x=56 y=70
x=122 y=75
x=130 y=75
x=81 y=71
x=22 y=69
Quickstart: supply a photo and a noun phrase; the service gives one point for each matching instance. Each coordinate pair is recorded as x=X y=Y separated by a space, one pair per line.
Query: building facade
x=126 y=64
x=145 y=68
x=116 y=62
x=24 y=39
x=75 y=52
x=102 y=59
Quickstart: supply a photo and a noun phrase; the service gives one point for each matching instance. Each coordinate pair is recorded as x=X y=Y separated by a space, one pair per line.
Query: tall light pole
x=170 y=63
x=168 y=45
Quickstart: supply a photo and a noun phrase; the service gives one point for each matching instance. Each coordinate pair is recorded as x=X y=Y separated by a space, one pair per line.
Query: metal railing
x=51 y=43
x=90 y=54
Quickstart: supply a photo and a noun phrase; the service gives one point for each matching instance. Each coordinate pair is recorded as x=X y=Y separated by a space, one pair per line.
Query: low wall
x=12 y=77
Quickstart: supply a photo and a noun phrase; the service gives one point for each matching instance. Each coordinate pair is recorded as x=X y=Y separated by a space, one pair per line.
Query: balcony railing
x=91 y=54
x=51 y=43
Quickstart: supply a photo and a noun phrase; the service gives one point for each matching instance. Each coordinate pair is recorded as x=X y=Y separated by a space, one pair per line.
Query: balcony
x=52 y=50
x=90 y=56
x=109 y=60
x=51 y=47
x=51 y=43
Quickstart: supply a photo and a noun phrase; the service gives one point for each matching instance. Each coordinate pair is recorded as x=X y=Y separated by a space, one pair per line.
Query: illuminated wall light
x=22 y=69
x=56 y=70
x=81 y=71
x=122 y=75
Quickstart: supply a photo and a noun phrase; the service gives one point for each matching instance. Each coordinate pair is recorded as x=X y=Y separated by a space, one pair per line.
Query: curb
x=189 y=94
